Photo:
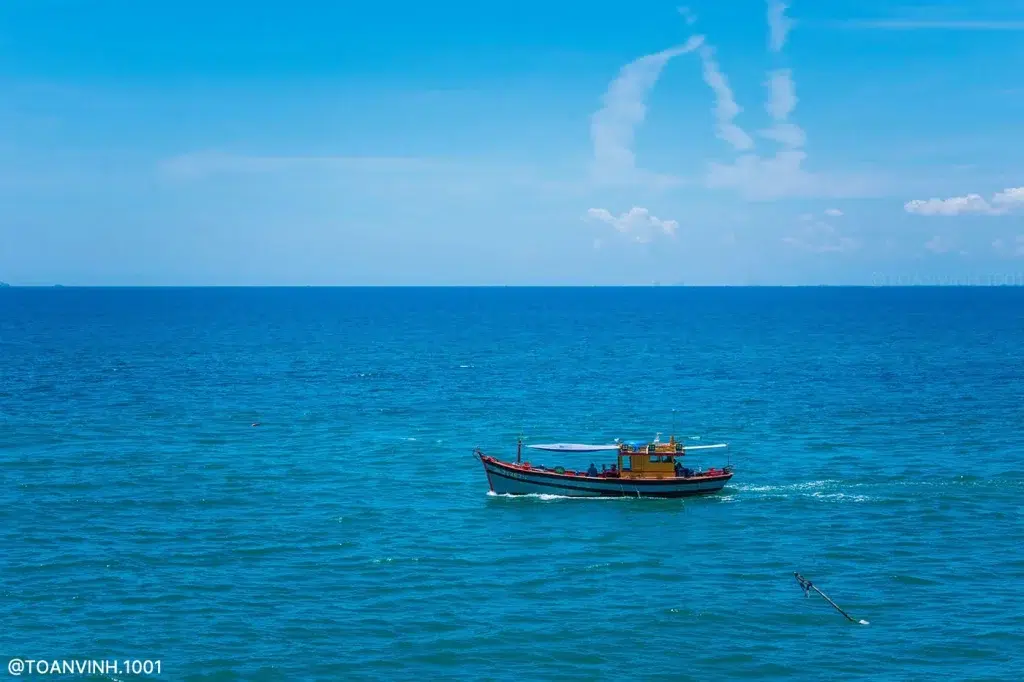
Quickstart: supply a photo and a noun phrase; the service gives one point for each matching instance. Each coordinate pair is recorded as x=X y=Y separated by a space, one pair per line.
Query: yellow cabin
x=653 y=460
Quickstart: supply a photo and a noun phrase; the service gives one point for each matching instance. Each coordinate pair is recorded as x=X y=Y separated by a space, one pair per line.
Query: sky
x=753 y=142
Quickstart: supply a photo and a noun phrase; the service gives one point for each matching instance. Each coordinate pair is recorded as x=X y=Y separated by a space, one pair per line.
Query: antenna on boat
x=807 y=586
x=519 y=441
x=672 y=435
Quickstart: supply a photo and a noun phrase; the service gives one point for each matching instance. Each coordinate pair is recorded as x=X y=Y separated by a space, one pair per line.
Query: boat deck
x=526 y=467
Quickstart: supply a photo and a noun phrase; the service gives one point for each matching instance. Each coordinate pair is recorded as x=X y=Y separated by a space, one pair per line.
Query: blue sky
x=325 y=143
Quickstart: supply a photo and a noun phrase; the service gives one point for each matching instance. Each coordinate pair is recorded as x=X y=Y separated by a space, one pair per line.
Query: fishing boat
x=652 y=469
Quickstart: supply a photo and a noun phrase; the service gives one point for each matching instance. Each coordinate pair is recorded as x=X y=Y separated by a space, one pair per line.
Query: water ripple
x=351 y=536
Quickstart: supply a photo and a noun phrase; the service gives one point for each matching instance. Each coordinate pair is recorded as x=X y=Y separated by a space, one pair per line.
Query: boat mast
x=519 y=450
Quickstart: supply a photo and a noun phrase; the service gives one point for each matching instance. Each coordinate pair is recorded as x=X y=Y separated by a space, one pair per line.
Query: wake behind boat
x=641 y=470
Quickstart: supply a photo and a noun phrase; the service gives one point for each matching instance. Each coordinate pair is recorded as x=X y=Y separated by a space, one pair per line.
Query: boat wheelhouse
x=640 y=470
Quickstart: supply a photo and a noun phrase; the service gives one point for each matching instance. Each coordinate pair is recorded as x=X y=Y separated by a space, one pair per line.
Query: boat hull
x=509 y=479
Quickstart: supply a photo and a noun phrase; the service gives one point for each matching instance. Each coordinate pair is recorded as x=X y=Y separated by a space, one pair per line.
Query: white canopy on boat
x=579 y=447
x=572 y=447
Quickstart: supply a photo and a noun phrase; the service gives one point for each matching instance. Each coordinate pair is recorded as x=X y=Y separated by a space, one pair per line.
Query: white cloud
x=726 y=108
x=689 y=16
x=1001 y=203
x=778 y=24
x=611 y=128
x=1012 y=196
x=637 y=223
x=834 y=212
x=821 y=237
x=971 y=203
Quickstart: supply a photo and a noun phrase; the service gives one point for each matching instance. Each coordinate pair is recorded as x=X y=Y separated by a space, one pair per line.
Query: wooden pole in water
x=808 y=585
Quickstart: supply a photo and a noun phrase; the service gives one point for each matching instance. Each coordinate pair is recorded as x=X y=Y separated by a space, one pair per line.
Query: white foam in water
x=547 y=498
x=806 y=485
x=863 y=622
x=829 y=490
x=840 y=496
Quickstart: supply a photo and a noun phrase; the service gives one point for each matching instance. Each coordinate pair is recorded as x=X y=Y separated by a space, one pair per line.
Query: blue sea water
x=876 y=434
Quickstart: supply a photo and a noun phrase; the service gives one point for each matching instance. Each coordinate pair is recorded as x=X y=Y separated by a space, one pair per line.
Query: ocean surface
x=876 y=435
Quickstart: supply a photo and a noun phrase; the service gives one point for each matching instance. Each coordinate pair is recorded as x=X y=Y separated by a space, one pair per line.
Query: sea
x=279 y=483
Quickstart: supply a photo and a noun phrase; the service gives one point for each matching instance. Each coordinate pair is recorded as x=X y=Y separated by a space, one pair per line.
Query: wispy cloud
x=726 y=108
x=1001 y=203
x=820 y=237
x=778 y=24
x=939 y=244
x=927 y=24
x=197 y=165
x=1012 y=247
x=754 y=176
x=782 y=94
x=448 y=175
x=781 y=103
x=758 y=179
x=612 y=127
x=830 y=212
x=637 y=223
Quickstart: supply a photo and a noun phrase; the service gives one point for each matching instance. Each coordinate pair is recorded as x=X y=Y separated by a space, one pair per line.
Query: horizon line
x=954 y=284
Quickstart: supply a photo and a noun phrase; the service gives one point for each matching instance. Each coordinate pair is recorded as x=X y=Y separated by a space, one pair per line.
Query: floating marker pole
x=807 y=586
